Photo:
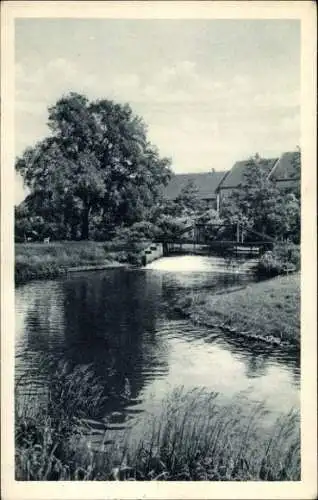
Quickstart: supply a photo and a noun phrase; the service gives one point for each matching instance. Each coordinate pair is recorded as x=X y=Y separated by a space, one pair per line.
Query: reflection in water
x=120 y=322
x=192 y=263
x=110 y=323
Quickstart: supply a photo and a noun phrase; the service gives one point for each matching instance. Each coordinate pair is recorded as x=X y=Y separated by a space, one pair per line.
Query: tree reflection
x=118 y=323
x=107 y=321
x=256 y=365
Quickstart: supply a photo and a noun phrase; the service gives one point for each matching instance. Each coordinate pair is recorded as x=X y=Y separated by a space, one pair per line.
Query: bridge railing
x=235 y=235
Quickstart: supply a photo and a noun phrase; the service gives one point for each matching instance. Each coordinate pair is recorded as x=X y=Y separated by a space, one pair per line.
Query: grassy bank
x=267 y=311
x=44 y=261
x=196 y=437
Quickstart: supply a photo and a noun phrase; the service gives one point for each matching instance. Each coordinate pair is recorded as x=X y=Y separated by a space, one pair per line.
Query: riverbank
x=46 y=261
x=34 y=261
x=195 y=437
x=267 y=311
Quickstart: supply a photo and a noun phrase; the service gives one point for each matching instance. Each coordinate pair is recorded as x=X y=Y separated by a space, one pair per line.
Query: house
x=236 y=176
x=206 y=184
x=284 y=171
x=213 y=187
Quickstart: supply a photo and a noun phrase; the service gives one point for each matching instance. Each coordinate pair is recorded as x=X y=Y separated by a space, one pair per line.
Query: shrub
x=169 y=227
x=140 y=231
x=283 y=258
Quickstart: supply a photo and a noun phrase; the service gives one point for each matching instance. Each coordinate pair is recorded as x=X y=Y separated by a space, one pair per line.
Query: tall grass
x=195 y=437
x=44 y=261
x=40 y=260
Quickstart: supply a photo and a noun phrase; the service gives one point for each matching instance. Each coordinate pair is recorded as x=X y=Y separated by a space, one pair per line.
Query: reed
x=197 y=436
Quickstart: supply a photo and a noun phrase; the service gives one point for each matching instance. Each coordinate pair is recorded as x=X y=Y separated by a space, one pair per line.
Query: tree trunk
x=85 y=223
x=73 y=231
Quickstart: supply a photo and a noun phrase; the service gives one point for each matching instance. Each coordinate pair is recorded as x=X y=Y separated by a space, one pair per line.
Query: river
x=120 y=321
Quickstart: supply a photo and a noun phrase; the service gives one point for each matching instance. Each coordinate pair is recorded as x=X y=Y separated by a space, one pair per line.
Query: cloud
x=38 y=88
x=130 y=81
x=290 y=123
x=49 y=82
x=278 y=99
x=175 y=74
x=194 y=116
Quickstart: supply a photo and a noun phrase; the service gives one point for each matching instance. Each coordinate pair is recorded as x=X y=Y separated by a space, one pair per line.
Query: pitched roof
x=236 y=176
x=205 y=182
x=287 y=167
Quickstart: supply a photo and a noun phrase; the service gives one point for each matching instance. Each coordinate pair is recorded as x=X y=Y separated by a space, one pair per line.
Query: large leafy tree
x=97 y=162
x=261 y=207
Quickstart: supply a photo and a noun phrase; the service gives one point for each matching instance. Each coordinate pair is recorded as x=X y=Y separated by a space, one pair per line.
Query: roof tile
x=287 y=167
x=205 y=182
x=236 y=176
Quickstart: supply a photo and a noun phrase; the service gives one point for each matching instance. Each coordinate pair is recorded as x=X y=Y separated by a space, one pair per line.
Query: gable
x=236 y=176
x=287 y=167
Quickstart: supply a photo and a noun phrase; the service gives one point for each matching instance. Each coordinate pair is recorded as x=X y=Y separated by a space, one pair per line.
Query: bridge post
x=237 y=232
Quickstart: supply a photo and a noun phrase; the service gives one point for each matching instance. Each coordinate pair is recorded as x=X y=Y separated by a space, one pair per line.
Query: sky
x=211 y=91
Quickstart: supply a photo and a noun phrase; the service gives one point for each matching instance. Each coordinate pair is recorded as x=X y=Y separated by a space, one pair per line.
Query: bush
x=169 y=227
x=282 y=259
x=140 y=231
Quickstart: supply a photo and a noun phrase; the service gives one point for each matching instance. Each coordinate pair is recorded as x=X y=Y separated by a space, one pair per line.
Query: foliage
x=188 y=200
x=262 y=208
x=196 y=437
x=213 y=225
x=296 y=164
x=42 y=261
x=186 y=204
x=97 y=162
x=140 y=231
x=169 y=228
x=281 y=260
x=165 y=207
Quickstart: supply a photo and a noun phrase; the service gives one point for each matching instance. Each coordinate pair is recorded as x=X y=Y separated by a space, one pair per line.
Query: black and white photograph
x=158 y=170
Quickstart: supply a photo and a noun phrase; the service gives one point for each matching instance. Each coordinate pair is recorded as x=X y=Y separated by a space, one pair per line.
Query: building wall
x=210 y=203
x=151 y=253
x=224 y=194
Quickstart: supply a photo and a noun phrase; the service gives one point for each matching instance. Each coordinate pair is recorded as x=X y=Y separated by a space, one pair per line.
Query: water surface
x=121 y=322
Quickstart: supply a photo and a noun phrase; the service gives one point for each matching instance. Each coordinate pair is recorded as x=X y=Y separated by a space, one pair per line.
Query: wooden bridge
x=205 y=239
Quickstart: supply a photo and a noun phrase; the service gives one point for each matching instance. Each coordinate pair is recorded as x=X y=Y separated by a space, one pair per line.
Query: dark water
x=120 y=321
